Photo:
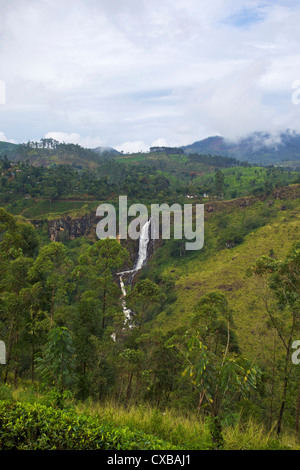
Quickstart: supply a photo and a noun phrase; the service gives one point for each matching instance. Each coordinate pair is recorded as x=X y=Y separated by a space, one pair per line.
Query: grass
x=183 y=430
x=179 y=430
x=219 y=268
x=189 y=431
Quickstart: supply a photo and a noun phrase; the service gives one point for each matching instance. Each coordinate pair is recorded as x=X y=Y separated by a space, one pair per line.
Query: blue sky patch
x=245 y=18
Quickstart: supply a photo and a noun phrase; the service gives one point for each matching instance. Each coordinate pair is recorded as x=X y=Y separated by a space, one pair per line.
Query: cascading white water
x=143 y=246
x=142 y=257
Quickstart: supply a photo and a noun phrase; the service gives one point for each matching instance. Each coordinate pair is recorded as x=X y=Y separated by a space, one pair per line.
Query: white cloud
x=3 y=138
x=160 y=143
x=118 y=73
x=132 y=147
x=74 y=138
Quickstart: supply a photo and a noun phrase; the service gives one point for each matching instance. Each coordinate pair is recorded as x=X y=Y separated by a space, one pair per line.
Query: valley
x=63 y=288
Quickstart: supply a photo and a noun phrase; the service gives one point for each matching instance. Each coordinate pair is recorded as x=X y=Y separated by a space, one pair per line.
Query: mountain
x=258 y=147
x=106 y=150
x=8 y=149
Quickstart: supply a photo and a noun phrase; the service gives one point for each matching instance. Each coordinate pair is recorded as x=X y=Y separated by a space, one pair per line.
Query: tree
x=18 y=242
x=145 y=295
x=220 y=381
x=86 y=330
x=131 y=362
x=217 y=373
x=51 y=269
x=97 y=268
x=219 y=183
x=56 y=364
x=213 y=318
x=281 y=281
x=163 y=367
x=16 y=237
x=35 y=322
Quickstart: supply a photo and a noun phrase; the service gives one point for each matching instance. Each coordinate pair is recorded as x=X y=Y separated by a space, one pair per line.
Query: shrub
x=25 y=426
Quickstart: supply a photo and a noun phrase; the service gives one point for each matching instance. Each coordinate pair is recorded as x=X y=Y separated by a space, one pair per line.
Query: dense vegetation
x=214 y=329
x=141 y=176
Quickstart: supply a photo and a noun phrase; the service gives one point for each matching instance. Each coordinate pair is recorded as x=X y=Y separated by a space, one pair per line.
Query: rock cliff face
x=69 y=228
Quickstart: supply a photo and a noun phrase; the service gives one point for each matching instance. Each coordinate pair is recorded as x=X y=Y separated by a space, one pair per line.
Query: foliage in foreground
x=190 y=431
x=38 y=426
x=25 y=426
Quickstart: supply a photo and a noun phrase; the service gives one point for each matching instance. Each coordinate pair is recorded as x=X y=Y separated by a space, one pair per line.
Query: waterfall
x=141 y=259
x=143 y=246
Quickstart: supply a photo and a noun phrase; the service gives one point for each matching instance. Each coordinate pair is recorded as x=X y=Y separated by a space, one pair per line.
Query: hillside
x=260 y=227
x=259 y=148
x=200 y=331
x=49 y=152
x=8 y=149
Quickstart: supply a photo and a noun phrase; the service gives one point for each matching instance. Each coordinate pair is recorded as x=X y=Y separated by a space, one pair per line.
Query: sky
x=131 y=74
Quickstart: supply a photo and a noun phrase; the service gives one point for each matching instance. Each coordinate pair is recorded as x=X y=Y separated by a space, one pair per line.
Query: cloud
x=74 y=138
x=3 y=138
x=132 y=147
x=117 y=73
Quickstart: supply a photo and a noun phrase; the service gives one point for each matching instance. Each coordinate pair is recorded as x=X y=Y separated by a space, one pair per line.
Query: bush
x=25 y=426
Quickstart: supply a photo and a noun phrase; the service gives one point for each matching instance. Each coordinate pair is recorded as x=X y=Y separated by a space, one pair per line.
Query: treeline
x=53 y=147
x=107 y=179
x=216 y=160
x=145 y=181
x=168 y=150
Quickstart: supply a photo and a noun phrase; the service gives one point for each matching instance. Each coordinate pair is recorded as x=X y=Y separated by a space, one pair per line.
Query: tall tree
x=143 y=297
x=51 y=268
x=219 y=183
x=86 y=333
x=56 y=363
x=281 y=280
x=97 y=269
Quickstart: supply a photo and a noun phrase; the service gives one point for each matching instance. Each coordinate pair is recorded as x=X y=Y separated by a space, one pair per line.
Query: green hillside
x=204 y=356
x=262 y=228
x=8 y=149
x=48 y=152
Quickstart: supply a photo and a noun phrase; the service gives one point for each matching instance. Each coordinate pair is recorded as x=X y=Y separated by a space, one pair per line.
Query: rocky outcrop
x=218 y=206
x=287 y=192
x=70 y=228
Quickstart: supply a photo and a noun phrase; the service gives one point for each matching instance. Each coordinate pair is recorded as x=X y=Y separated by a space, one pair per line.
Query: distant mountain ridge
x=261 y=148
x=257 y=148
